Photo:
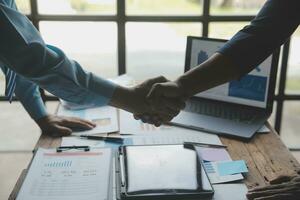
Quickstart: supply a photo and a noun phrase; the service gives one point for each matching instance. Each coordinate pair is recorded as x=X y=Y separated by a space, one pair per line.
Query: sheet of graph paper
x=68 y=175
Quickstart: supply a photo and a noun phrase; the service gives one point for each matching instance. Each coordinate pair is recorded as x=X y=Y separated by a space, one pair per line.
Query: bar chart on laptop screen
x=250 y=89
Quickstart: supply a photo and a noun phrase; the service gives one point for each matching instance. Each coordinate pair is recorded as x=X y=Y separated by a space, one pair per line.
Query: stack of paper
x=105 y=118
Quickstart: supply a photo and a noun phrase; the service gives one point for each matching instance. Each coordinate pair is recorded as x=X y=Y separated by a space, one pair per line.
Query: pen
x=104 y=138
x=205 y=145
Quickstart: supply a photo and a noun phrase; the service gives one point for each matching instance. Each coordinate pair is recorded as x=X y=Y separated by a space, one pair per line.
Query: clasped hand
x=163 y=100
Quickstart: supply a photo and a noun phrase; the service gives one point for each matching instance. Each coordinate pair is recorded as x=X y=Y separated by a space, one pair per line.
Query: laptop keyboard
x=220 y=111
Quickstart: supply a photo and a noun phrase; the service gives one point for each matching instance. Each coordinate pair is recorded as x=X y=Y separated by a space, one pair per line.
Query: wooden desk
x=266 y=157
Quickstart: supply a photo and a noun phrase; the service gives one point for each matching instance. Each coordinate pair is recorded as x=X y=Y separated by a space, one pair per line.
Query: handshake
x=155 y=101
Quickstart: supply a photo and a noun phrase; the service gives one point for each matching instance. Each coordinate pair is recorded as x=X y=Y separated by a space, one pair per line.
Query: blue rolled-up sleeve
x=23 y=50
x=273 y=25
x=29 y=95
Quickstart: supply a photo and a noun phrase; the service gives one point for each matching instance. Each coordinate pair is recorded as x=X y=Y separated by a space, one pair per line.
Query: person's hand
x=134 y=100
x=145 y=111
x=167 y=97
x=56 y=126
x=281 y=188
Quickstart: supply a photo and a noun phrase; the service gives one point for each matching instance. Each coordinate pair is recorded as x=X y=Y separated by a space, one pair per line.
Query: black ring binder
x=66 y=148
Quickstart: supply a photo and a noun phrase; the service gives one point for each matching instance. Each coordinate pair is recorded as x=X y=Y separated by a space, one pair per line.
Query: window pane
x=23 y=6
x=92 y=44
x=225 y=30
x=2 y=84
x=290 y=124
x=293 y=74
x=271 y=119
x=164 y=7
x=157 y=48
x=278 y=71
x=235 y=7
x=72 y=7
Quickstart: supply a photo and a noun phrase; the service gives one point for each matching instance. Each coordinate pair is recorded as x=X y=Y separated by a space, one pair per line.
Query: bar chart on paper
x=66 y=163
x=68 y=175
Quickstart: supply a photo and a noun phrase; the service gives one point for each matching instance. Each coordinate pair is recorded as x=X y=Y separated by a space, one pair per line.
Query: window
x=224 y=30
x=77 y=7
x=235 y=7
x=111 y=37
x=23 y=6
x=157 y=46
x=92 y=44
x=163 y=7
x=293 y=74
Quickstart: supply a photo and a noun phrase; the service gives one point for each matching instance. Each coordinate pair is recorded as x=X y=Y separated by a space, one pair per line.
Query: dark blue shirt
x=272 y=26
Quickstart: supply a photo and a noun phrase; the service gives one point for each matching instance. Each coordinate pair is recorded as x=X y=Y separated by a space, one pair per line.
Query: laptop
x=235 y=109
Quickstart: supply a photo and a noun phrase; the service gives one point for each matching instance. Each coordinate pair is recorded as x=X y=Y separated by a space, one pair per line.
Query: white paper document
x=149 y=134
x=69 y=175
x=234 y=191
x=105 y=117
x=264 y=129
x=176 y=138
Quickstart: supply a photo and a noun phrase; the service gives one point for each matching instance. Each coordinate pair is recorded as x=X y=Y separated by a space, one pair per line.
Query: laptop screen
x=251 y=89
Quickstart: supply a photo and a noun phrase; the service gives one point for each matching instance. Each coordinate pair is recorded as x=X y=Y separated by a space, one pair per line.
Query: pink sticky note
x=214 y=154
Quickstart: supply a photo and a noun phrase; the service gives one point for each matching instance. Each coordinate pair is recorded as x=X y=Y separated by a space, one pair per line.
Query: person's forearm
x=121 y=98
x=28 y=94
x=130 y=99
x=215 y=71
x=23 y=50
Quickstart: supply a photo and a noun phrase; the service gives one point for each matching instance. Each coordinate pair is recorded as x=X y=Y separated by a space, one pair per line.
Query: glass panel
x=290 y=124
x=157 y=48
x=278 y=71
x=271 y=119
x=23 y=6
x=74 y=7
x=92 y=44
x=164 y=7
x=235 y=7
x=2 y=83
x=225 y=30
x=293 y=73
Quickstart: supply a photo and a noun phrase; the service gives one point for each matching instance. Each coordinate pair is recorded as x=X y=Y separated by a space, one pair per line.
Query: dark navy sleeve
x=272 y=26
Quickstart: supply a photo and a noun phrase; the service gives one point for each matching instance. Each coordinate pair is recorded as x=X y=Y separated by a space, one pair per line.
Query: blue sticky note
x=232 y=167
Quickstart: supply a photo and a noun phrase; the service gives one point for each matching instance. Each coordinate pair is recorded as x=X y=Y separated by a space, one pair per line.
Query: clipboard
x=147 y=172
x=69 y=172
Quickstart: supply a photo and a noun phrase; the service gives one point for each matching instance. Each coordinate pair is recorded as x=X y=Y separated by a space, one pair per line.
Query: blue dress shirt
x=29 y=95
x=23 y=50
x=273 y=25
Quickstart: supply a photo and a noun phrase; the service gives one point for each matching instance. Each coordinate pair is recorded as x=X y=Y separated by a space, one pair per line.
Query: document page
x=68 y=175
x=165 y=134
x=105 y=118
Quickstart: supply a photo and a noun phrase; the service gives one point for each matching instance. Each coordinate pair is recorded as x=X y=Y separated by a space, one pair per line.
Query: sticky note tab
x=231 y=167
x=214 y=154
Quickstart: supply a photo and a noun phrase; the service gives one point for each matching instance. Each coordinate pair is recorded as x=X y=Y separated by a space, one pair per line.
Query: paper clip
x=66 y=148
